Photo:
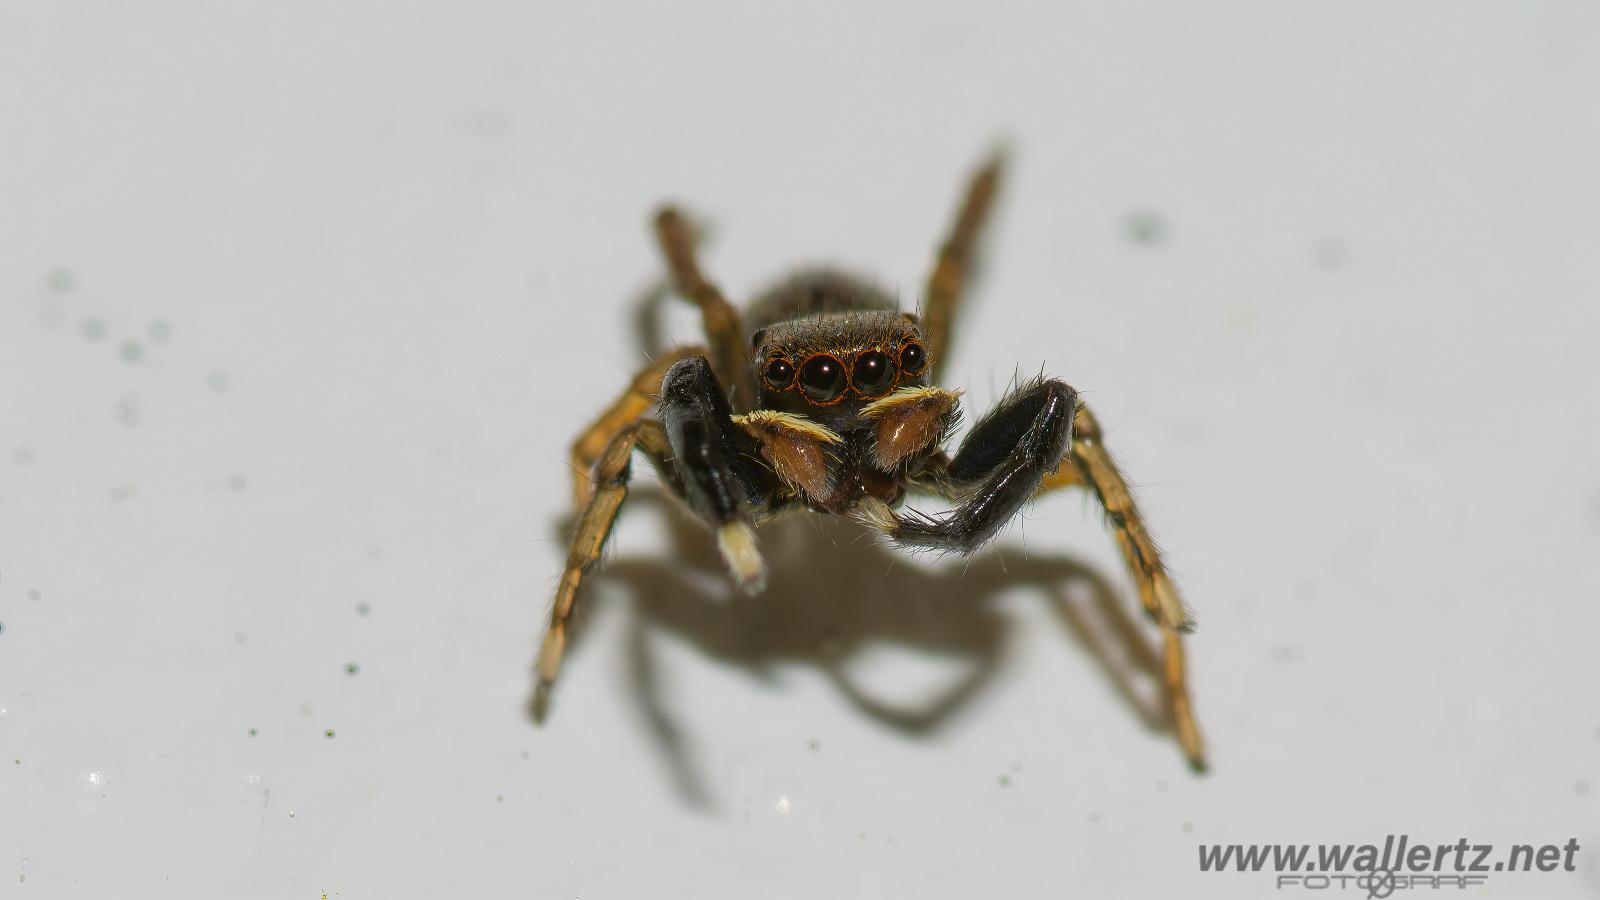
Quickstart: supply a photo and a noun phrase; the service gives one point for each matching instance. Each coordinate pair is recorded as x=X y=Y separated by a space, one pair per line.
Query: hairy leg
x=724 y=331
x=949 y=276
x=1091 y=464
x=589 y=535
x=1019 y=450
x=718 y=463
x=1001 y=463
x=634 y=403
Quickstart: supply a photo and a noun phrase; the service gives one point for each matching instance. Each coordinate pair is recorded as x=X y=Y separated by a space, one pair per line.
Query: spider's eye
x=822 y=378
x=913 y=357
x=874 y=373
x=779 y=373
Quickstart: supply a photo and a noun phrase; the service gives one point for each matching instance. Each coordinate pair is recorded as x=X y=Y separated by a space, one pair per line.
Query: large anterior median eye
x=873 y=374
x=822 y=378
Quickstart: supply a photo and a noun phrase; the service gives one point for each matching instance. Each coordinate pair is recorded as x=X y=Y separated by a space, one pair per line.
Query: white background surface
x=300 y=307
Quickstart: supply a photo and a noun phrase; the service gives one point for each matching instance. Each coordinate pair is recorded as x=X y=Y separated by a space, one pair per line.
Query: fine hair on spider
x=822 y=395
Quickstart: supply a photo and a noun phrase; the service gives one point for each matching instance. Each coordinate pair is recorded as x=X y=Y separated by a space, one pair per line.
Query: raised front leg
x=717 y=462
x=1020 y=450
x=998 y=468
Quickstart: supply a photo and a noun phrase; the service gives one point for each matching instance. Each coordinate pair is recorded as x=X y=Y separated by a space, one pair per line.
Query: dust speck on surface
x=238 y=482
x=33 y=594
x=1146 y=227
x=131 y=351
x=238 y=637
x=1187 y=826
x=252 y=732
x=524 y=754
x=127 y=410
x=159 y=332
x=22 y=455
x=291 y=813
x=1329 y=253
x=328 y=733
x=123 y=493
x=1286 y=654
x=1161 y=785
x=374 y=552
x=1005 y=781
x=1580 y=787
x=362 y=609
x=92 y=329
x=499 y=798
x=814 y=745
x=1015 y=766
x=351 y=668
x=61 y=280
x=1094 y=817
x=217 y=381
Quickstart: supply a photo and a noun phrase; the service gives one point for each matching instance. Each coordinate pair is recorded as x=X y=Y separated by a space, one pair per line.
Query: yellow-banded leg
x=1090 y=464
x=627 y=409
x=949 y=276
x=729 y=357
x=598 y=514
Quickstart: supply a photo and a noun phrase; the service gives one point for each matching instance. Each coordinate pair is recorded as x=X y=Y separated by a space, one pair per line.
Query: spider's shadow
x=833 y=594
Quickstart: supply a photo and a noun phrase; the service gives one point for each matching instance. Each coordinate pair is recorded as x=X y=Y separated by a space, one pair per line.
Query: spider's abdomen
x=812 y=293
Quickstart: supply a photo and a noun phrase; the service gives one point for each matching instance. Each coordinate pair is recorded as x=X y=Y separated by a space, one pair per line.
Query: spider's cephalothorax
x=843 y=411
x=822 y=395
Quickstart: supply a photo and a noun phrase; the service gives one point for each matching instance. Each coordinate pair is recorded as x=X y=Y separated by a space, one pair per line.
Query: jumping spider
x=840 y=413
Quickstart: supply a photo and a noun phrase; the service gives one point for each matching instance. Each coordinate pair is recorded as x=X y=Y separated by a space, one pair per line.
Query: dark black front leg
x=1001 y=463
x=715 y=462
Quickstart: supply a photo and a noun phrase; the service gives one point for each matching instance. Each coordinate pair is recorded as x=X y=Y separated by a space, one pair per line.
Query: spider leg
x=1018 y=451
x=598 y=514
x=703 y=459
x=999 y=467
x=627 y=409
x=950 y=272
x=1091 y=465
x=718 y=464
x=727 y=338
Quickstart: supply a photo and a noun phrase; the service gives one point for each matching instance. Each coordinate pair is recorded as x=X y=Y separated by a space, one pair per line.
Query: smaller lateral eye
x=912 y=358
x=779 y=373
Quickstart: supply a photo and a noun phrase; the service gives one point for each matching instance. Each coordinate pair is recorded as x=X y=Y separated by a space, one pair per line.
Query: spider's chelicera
x=821 y=395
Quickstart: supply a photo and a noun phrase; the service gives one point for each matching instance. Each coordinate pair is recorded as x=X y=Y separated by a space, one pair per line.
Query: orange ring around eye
x=921 y=358
x=886 y=359
x=772 y=384
x=840 y=388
